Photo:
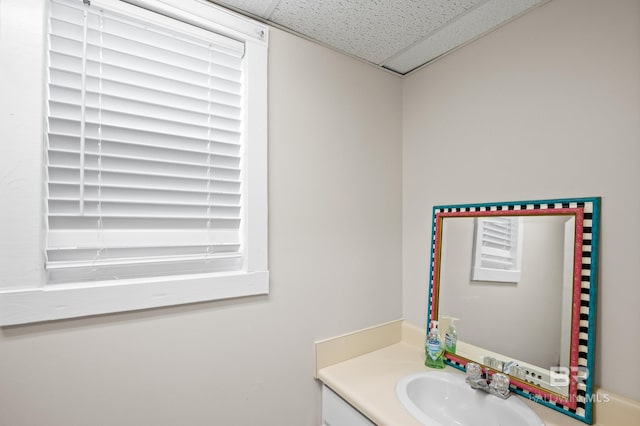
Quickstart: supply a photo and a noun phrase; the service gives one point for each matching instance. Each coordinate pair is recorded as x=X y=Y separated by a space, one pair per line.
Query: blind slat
x=67 y=191
x=68 y=126
x=128 y=239
x=145 y=180
x=91 y=222
x=128 y=208
x=62 y=142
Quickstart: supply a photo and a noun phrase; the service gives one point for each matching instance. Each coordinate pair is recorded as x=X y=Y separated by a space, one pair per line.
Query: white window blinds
x=144 y=157
x=498 y=249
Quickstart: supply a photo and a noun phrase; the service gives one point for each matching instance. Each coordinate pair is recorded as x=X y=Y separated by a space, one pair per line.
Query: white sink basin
x=439 y=398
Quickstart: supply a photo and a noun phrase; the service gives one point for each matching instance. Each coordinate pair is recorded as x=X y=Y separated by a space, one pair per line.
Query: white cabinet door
x=337 y=412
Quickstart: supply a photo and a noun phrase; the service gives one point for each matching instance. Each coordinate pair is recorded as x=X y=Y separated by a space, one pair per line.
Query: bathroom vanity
x=364 y=367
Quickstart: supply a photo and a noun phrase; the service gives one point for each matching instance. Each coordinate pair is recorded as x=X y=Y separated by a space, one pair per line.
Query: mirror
x=520 y=278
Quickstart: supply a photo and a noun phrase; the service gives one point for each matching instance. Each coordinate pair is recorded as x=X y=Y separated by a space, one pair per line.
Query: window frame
x=39 y=301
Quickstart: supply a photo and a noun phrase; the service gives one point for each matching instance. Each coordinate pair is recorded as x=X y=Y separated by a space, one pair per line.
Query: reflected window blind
x=143 y=145
x=497 y=249
x=499 y=243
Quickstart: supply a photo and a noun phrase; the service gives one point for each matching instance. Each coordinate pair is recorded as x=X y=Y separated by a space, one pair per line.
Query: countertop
x=368 y=382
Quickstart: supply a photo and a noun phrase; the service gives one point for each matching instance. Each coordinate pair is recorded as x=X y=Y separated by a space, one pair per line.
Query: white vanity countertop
x=368 y=382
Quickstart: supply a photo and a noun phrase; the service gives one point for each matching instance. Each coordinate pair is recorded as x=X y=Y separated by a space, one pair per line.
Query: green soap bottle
x=434 y=348
x=451 y=337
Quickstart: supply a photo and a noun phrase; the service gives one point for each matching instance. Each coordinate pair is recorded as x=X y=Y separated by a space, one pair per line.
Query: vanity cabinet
x=337 y=412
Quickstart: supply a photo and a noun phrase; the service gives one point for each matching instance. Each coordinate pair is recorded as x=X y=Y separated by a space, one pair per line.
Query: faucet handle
x=500 y=385
x=474 y=371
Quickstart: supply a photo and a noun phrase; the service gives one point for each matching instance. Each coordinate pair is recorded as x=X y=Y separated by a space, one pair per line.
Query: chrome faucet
x=496 y=384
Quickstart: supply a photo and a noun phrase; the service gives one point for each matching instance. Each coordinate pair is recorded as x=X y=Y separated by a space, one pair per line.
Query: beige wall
x=335 y=262
x=554 y=98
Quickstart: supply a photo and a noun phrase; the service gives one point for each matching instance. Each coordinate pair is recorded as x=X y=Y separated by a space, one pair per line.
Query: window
x=155 y=159
x=497 y=249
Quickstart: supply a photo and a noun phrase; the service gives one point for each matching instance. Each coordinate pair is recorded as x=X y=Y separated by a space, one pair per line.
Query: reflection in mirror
x=520 y=278
x=497 y=249
x=492 y=314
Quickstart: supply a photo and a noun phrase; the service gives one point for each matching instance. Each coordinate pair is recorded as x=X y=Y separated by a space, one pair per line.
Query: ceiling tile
x=374 y=30
x=470 y=26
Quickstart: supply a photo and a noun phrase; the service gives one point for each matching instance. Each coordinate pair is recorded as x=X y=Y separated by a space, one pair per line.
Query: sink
x=440 y=398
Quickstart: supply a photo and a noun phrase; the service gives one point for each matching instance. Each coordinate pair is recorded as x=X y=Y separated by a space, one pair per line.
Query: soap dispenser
x=451 y=337
x=434 y=348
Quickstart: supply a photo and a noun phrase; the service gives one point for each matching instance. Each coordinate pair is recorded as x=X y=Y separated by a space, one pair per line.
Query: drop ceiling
x=398 y=35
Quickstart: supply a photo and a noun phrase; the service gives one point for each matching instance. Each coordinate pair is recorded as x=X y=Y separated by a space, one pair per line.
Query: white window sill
x=61 y=301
